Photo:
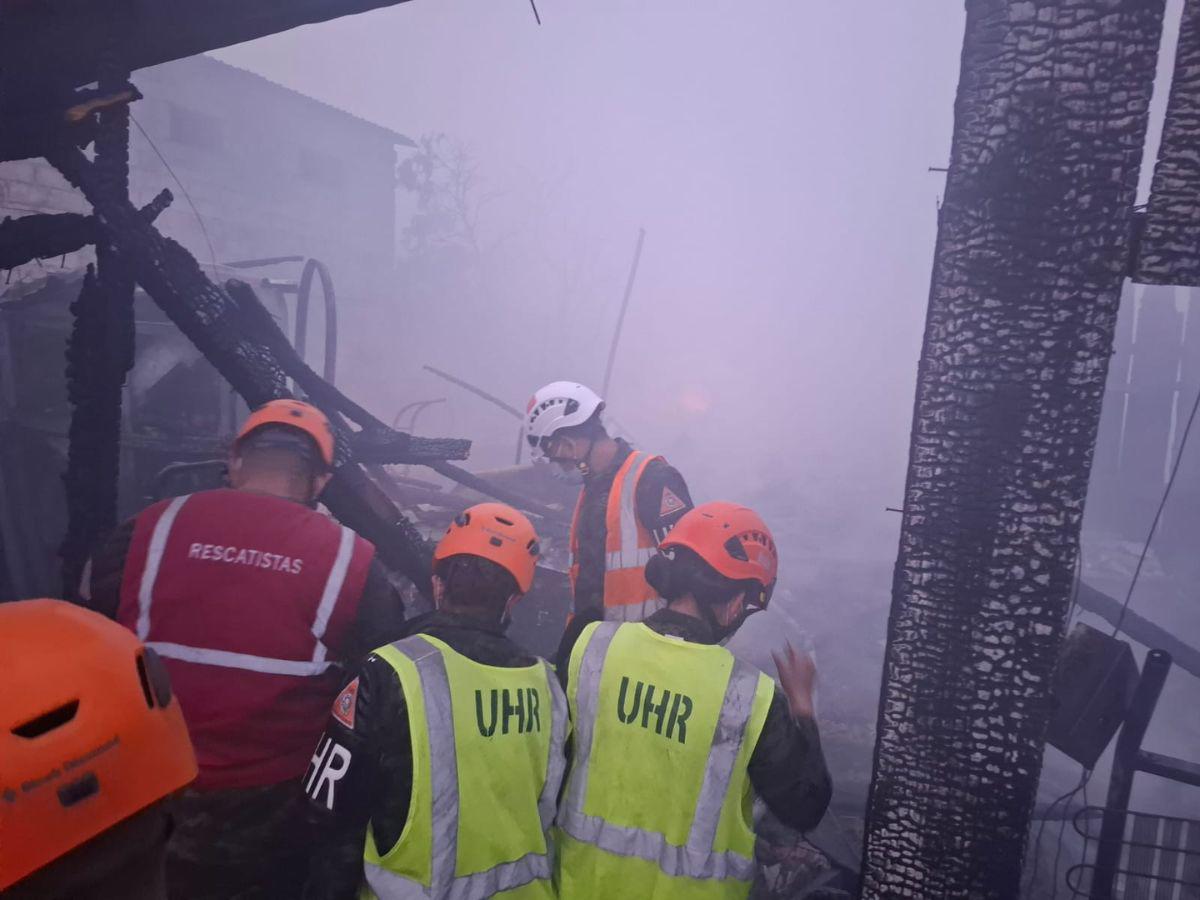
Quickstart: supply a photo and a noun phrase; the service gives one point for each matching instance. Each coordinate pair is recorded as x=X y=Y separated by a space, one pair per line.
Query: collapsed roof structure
x=65 y=84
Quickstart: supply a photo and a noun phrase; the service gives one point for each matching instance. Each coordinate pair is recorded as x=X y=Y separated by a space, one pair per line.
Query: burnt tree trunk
x=1172 y=236
x=1033 y=245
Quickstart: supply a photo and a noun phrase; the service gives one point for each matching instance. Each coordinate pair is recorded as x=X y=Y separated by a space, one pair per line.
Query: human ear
x=733 y=609
x=319 y=484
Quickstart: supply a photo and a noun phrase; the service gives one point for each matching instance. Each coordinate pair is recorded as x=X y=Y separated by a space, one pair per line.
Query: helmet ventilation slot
x=734 y=548
x=47 y=722
x=144 y=678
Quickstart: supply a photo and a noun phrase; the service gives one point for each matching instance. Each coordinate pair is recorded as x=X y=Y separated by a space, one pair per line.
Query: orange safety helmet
x=732 y=539
x=296 y=414
x=89 y=732
x=496 y=532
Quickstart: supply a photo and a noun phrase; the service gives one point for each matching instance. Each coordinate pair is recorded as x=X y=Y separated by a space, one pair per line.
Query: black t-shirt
x=662 y=499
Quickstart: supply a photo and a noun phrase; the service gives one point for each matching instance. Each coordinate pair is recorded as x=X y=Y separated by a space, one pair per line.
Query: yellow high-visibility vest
x=658 y=802
x=488 y=746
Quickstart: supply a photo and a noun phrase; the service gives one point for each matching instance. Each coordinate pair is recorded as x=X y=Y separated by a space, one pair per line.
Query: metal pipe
x=478 y=392
x=310 y=267
x=1124 y=766
x=612 y=351
x=1139 y=627
x=266 y=261
x=415 y=404
x=417 y=408
x=475 y=483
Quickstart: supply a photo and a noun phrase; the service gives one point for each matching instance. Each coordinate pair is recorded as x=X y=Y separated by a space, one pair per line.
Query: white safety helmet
x=559 y=405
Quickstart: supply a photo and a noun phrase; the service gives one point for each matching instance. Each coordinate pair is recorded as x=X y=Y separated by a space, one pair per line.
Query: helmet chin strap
x=721 y=632
x=584 y=465
x=506 y=616
x=731 y=629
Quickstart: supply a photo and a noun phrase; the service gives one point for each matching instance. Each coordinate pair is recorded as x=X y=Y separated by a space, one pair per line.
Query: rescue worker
x=91 y=744
x=630 y=500
x=446 y=751
x=254 y=600
x=674 y=737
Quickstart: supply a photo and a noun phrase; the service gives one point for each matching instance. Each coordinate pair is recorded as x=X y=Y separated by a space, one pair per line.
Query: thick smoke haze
x=777 y=157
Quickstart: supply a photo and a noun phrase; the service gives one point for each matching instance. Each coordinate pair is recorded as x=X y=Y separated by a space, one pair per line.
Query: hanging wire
x=1037 y=840
x=1086 y=839
x=1157 y=515
x=1062 y=830
x=200 y=219
x=1073 y=606
x=1072 y=609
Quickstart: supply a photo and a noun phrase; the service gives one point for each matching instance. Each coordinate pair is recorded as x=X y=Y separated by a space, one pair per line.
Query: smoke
x=778 y=161
x=779 y=158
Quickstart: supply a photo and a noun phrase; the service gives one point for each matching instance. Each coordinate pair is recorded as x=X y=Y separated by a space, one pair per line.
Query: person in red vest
x=257 y=603
x=630 y=500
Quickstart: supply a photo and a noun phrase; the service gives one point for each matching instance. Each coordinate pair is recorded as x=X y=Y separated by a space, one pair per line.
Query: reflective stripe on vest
x=225 y=658
x=628 y=546
x=430 y=663
x=627 y=595
x=479 y=886
x=698 y=858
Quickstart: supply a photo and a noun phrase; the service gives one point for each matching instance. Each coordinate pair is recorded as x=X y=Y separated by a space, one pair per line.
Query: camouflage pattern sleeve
x=343 y=780
x=787 y=768
x=380 y=617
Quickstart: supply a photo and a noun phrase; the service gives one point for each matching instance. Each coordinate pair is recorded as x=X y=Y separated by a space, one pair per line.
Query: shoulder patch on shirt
x=345 y=704
x=669 y=504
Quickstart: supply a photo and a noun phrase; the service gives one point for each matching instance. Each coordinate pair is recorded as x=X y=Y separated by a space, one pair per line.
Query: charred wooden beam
x=100 y=352
x=376 y=442
x=34 y=119
x=237 y=335
x=1033 y=243
x=47 y=235
x=495 y=491
x=60 y=40
x=1137 y=627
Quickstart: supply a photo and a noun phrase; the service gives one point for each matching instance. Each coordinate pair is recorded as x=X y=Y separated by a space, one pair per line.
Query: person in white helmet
x=630 y=500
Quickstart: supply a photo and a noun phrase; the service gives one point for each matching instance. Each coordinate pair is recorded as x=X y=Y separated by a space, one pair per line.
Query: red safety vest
x=243 y=595
x=629 y=545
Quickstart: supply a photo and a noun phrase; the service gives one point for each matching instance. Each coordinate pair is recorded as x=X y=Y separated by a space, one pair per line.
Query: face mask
x=569 y=476
x=723 y=633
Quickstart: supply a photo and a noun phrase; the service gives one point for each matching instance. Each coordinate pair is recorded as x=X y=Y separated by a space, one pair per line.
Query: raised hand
x=797 y=676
